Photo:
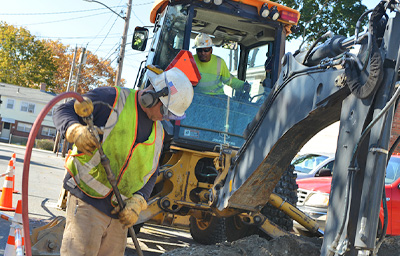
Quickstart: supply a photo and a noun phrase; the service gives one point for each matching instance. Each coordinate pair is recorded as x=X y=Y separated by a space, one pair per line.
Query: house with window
x=18 y=111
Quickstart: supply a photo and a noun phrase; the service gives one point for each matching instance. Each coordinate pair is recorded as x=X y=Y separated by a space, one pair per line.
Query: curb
x=24 y=147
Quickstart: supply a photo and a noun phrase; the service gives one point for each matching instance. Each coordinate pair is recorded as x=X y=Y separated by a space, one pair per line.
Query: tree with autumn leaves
x=27 y=61
x=96 y=72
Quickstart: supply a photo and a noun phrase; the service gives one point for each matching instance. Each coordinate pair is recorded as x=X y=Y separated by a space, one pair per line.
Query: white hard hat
x=180 y=89
x=203 y=41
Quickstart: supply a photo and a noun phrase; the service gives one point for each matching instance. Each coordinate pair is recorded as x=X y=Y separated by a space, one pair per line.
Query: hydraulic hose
x=27 y=159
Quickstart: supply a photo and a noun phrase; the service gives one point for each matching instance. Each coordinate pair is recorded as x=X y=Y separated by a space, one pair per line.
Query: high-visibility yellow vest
x=214 y=74
x=132 y=163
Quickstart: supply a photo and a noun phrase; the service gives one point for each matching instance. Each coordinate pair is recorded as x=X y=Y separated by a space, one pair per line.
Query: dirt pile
x=390 y=246
x=288 y=245
x=255 y=246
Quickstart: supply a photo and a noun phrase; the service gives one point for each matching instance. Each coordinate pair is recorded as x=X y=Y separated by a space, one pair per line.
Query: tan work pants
x=90 y=232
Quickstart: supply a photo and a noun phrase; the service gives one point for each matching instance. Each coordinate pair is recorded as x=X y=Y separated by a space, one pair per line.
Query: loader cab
x=245 y=40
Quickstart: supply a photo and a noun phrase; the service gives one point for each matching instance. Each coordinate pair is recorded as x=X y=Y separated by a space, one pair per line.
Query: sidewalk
x=3 y=144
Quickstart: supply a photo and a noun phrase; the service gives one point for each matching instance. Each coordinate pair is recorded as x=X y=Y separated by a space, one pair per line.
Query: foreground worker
x=214 y=72
x=132 y=138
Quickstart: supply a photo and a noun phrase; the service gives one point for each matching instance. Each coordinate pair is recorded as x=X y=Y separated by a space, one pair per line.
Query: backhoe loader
x=226 y=168
x=227 y=165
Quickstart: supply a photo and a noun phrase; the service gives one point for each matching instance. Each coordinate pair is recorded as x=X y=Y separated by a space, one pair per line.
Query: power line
x=135 y=53
x=106 y=35
x=55 y=13
x=115 y=35
x=142 y=4
x=54 y=21
x=138 y=18
x=111 y=53
x=102 y=28
x=113 y=60
x=66 y=12
x=78 y=37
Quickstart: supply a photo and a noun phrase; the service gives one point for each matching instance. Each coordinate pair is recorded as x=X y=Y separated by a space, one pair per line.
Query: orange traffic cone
x=15 y=241
x=6 y=194
x=14 y=158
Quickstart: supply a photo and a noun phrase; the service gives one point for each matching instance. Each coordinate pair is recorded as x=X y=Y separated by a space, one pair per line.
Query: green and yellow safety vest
x=214 y=74
x=132 y=163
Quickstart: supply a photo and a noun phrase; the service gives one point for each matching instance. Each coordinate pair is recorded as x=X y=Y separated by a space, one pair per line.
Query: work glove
x=246 y=87
x=83 y=139
x=130 y=214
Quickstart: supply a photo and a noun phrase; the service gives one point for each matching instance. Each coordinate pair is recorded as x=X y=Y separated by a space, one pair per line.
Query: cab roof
x=159 y=6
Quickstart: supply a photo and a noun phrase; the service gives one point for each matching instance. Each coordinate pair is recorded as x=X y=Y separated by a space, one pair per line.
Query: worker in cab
x=132 y=138
x=214 y=72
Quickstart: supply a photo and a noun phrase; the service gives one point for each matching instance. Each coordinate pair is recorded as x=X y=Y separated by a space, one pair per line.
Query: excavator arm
x=299 y=107
x=314 y=90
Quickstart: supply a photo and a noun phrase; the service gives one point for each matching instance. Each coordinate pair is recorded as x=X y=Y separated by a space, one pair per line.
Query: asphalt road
x=46 y=173
x=45 y=180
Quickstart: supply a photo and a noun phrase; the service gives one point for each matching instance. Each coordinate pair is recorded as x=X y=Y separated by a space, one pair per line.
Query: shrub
x=45 y=144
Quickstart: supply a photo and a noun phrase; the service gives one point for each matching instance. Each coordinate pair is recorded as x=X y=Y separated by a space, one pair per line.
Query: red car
x=313 y=197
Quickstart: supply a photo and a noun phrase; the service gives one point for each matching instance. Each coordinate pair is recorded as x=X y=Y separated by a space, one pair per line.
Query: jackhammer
x=84 y=109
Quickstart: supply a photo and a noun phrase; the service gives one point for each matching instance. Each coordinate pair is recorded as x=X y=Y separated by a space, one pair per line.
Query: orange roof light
x=289 y=16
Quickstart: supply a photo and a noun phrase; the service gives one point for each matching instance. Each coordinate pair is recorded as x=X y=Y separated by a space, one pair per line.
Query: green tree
x=24 y=60
x=320 y=16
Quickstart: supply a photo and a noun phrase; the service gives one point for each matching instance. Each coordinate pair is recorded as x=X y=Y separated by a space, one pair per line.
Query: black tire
x=208 y=230
x=287 y=189
x=237 y=229
x=211 y=230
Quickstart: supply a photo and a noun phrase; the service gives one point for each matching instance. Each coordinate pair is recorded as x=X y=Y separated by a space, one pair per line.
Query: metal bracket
x=340 y=248
x=379 y=150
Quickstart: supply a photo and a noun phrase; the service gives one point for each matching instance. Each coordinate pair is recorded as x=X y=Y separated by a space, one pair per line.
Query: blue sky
x=89 y=24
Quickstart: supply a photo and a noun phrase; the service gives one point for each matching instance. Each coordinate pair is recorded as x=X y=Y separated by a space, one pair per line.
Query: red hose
x=27 y=159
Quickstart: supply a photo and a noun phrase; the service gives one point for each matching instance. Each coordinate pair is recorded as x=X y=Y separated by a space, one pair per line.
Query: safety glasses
x=203 y=49
x=168 y=115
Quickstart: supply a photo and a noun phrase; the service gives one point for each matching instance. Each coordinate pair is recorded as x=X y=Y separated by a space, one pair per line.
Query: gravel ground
x=282 y=246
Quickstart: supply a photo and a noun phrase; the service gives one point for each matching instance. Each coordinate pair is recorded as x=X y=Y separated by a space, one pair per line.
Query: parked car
x=313 y=165
x=313 y=197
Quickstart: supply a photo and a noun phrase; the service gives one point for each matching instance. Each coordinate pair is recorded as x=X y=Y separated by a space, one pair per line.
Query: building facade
x=19 y=110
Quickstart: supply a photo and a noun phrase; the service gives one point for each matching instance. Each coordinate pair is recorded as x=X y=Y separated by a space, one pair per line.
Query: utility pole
x=82 y=61
x=124 y=38
x=71 y=73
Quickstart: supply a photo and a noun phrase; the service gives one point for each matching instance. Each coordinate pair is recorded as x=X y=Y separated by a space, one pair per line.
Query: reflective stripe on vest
x=214 y=86
x=122 y=95
x=83 y=174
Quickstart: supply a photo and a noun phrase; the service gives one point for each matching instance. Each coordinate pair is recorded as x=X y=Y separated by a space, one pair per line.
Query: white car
x=313 y=165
